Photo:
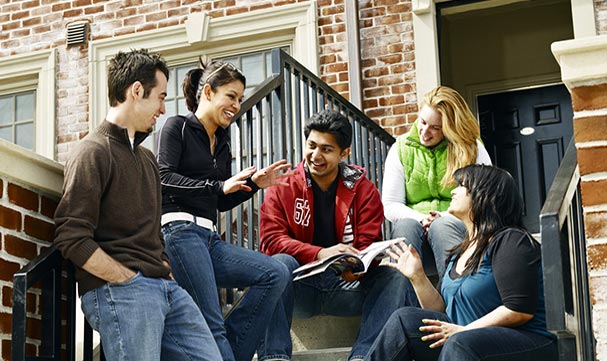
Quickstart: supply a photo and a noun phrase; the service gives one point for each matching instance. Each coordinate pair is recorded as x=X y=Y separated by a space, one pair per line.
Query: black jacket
x=192 y=178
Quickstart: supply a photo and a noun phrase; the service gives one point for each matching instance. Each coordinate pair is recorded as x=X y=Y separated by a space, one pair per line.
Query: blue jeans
x=146 y=319
x=201 y=262
x=401 y=340
x=373 y=297
x=444 y=233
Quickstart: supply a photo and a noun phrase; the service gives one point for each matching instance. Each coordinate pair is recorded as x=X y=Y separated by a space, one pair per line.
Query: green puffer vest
x=424 y=169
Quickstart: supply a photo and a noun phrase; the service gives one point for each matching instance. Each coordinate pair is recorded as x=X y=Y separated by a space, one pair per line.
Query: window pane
x=6 y=110
x=6 y=133
x=182 y=108
x=252 y=66
x=181 y=72
x=25 y=107
x=171 y=84
x=268 y=63
x=25 y=135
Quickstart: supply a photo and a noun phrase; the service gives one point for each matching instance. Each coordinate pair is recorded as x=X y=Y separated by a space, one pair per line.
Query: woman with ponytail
x=194 y=159
x=418 y=176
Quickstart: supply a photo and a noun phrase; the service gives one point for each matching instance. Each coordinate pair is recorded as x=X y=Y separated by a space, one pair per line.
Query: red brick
x=592 y=159
x=22 y=197
x=73 y=13
x=597 y=257
x=41 y=29
x=81 y=3
x=19 y=15
x=60 y=6
x=594 y=193
x=94 y=10
x=595 y=224
x=33 y=328
x=32 y=21
x=156 y=16
x=7 y=296
x=10 y=218
x=38 y=228
x=590 y=129
x=590 y=97
x=171 y=4
x=29 y=4
x=11 y=26
x=392 y=100
x=376 y=92
x=6 y=350
x=5 y=323
x=1 y=188
x=20 y=247
x=47 y=206
x=8 y=269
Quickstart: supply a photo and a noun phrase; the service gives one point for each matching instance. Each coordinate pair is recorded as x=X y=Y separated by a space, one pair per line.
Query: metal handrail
x=565 y=271
x=48 y=268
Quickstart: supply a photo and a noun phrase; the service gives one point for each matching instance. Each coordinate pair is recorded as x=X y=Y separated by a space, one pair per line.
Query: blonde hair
x=460 y=128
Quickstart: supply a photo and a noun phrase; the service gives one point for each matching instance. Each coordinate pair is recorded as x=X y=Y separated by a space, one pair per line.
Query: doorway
x=527 y=132
x=497 y=55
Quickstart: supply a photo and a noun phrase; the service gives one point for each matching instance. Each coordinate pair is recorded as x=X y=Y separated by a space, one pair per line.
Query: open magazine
x=357 y=263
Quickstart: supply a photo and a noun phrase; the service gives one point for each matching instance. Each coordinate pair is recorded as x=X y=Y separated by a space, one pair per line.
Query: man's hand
x=337 y=249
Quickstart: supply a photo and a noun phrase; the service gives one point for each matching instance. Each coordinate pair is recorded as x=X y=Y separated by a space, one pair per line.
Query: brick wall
x=26 y=228
x=386 y=41
x=590 y=131
x=388 y=63
x=600 y=8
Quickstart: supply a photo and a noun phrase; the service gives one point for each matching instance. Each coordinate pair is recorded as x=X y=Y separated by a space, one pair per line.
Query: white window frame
x=34 y=71
x=291 y=25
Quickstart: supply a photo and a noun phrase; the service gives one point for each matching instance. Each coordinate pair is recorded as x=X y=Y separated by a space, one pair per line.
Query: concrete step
x=329 y=354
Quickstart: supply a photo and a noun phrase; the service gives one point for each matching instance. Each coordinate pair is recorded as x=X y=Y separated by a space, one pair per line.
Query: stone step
x=329 y=354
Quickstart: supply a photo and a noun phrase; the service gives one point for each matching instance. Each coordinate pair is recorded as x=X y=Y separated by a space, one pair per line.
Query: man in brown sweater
x=108 y=225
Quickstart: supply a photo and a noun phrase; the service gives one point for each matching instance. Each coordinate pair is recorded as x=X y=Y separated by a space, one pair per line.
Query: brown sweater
x=111 y=199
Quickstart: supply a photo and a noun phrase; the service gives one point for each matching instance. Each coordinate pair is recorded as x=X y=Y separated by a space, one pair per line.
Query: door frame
x=425 y=38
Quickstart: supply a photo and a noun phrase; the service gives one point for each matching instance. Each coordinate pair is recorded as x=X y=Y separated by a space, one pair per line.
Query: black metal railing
x=55 y=276
x=269 y=127
x=568 y=307
x=55 y=279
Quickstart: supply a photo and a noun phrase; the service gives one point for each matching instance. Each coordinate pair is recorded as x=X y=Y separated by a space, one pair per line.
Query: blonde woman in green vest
x=418 y=176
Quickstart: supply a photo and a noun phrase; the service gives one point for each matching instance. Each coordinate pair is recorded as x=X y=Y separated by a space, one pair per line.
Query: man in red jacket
x=329 y=207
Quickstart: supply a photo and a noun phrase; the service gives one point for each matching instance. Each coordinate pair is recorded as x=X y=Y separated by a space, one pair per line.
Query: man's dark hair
x=333 y=122
x=136 y=65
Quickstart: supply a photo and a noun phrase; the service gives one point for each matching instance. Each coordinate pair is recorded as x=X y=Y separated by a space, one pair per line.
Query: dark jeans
x=401 y=340
x=374 y=297
x=201 y=262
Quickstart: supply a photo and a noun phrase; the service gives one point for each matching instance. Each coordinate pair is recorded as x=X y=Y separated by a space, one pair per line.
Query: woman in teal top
x=491 y=303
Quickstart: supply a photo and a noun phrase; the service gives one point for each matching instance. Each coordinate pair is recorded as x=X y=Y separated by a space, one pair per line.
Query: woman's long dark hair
x=496 y=204
x=215 y=73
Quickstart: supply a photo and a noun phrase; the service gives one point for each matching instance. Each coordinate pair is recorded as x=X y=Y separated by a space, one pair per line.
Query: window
x=17 y=119
x=27 y=101
x=256 y=66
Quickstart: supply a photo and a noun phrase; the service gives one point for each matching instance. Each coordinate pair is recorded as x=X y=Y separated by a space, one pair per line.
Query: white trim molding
x=35 y=71
x=293 y=25
x=31 y=169
x=582 y=60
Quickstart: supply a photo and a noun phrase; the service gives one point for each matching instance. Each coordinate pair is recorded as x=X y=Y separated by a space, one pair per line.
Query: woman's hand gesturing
x=271 y=175
x=408 y=261
x=238 y=182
